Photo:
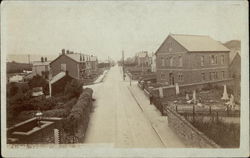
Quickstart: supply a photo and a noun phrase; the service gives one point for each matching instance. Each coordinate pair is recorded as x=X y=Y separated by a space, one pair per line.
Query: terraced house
x=73 y=63
x=188 y=59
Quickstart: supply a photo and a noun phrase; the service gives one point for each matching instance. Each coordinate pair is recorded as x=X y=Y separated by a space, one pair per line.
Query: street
x=122 y=119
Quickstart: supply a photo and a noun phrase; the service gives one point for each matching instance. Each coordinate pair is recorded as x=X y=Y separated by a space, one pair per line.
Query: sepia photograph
x=124 y=78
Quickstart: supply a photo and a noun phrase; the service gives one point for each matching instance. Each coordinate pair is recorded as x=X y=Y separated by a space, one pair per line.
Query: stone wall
x=187 y=132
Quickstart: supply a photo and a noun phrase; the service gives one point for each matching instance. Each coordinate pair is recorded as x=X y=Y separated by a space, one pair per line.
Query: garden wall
x=41 y=135
x=170 y=90
x=187 y=132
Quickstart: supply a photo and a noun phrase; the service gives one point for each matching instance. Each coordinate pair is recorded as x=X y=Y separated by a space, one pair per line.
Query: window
x=162 y=75
x=171 y=61
x=180 y=77
x=180 y=61
x=223 y=74
x=203 y=76
x=162 y=62
x=202 y=60
x=216 y=75
x=213 y=59
x=167 y=63
x=63 y=67
x=222 y=59
x=210 y=76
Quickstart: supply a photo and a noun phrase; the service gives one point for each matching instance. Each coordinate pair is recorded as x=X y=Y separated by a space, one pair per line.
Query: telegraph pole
x=29 y=58
x=123 y=65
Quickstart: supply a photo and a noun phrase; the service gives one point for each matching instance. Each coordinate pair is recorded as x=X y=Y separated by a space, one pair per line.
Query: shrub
x=79 y=115
x=73 y=89
x=63 y=111
x=38 y=81
x=226 y=135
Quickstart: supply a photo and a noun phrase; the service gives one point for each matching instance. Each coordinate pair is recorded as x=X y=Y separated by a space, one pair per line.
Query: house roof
x=57 y=77
x=76 y=56
x=232 y=54
x=199 y=43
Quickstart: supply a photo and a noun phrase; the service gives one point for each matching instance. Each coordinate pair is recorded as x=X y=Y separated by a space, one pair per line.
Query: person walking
x=151 y=99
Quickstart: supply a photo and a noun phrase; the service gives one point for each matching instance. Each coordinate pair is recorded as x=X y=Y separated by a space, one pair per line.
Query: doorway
x=171 y=79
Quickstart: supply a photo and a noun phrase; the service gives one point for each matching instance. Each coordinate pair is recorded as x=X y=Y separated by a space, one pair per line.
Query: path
x=117 y=120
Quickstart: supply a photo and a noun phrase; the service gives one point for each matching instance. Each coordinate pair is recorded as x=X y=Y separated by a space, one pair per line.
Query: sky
x=106 y=28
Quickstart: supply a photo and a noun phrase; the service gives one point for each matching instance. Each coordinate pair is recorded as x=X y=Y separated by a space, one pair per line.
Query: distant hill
x=233 y=44
x=13 y=67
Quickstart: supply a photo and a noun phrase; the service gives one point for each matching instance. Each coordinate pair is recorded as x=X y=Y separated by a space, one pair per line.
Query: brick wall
x=42 y=136
x=187 y=132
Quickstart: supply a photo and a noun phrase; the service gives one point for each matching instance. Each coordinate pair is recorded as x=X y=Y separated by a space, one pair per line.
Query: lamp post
x=39 y=115
x=130 y=80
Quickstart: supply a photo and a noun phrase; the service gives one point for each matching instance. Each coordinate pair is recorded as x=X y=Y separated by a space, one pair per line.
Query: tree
x=38 y=81
x=73 y=88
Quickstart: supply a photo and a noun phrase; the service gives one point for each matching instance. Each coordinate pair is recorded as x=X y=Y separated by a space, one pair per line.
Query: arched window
x=162 y=62
x=171 y=61
x=180 y=61
x=202 y=60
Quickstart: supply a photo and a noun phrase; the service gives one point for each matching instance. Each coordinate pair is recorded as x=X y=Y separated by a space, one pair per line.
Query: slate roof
x=232 y=54
x=77 y=57
x=57 y=77
x=199 y=43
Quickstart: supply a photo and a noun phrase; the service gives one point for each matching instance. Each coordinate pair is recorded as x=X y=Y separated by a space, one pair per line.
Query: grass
x=227 y=135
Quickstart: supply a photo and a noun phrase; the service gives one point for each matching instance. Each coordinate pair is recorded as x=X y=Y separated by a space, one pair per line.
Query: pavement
x=123 y=118
x=101 y=77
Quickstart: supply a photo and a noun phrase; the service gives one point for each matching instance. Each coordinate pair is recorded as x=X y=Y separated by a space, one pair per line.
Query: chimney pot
x=63 y=51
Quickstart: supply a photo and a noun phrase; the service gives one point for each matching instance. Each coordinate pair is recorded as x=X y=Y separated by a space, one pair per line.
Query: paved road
x=117 y=120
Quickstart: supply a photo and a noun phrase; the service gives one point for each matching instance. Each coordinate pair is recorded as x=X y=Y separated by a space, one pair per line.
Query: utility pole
x=123 y=69
x=29 y=58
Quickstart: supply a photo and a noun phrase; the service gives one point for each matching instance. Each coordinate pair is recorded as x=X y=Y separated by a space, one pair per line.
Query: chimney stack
x=63 y=51
x=41 y=59
x=45 y=59
x=67 y=51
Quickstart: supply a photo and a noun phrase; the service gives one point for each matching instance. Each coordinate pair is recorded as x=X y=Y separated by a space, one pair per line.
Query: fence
x=195 y=111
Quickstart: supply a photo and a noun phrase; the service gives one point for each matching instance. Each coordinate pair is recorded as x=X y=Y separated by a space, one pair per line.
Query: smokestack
x=45 y=59
x=41 y=59
x=67 y=51
x=63 y=51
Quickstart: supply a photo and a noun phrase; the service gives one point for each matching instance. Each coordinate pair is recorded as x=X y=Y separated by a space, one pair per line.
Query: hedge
x=77 y=121
x=63 y=112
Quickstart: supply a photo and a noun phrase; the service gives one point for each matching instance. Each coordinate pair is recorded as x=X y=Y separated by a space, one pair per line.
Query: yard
x=211 y=115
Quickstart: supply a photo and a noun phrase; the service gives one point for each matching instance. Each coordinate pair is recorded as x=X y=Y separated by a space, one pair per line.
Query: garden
x=21 y=105
x=209 y=114
x=73 y=106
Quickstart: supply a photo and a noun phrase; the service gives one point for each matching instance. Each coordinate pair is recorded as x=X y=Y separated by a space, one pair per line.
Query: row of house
x=78 y=65
x=67 y=66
